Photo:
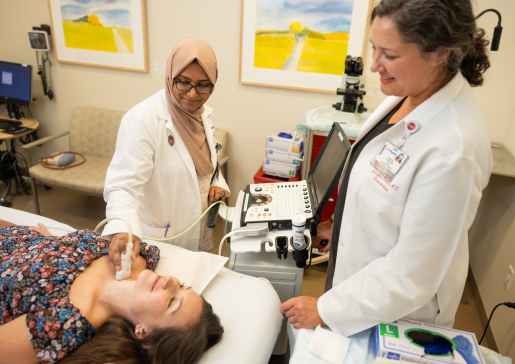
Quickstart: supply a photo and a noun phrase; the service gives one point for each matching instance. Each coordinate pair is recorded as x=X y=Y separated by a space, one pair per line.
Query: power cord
x=250 y=230
x=221 y=246
x=310 y=257
x=507 y=304
x=45 y=79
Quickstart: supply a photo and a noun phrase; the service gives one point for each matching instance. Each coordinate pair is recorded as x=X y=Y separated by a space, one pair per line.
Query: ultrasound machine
x=277 y=203
x=272 y=205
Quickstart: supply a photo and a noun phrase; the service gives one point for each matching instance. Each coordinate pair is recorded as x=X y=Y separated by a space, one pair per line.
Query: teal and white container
x=298 y=224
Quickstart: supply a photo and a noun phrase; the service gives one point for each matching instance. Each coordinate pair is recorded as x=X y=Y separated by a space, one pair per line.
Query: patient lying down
x=60 y=301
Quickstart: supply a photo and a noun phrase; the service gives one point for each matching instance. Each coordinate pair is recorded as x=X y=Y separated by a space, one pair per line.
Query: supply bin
x=261 y=177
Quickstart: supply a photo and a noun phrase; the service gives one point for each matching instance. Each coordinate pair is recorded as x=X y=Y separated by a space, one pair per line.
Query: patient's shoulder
x=151 y=254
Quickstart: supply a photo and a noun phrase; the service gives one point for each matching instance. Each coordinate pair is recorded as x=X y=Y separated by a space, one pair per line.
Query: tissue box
x=276 y=142
x=417 y=342
x=282 y=156
x=280 y=169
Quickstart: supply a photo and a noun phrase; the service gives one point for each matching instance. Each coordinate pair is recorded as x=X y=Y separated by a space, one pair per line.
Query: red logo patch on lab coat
x=171 y=140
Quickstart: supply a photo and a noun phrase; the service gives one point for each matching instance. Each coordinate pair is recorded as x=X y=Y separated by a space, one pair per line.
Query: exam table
x=248 y=307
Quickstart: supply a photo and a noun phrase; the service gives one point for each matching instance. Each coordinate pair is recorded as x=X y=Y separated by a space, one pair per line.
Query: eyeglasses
x=201 y=89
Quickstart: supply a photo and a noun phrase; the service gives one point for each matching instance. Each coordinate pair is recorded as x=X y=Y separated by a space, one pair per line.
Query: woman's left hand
x=217 y=193
x=41 y=229
x=302 y=312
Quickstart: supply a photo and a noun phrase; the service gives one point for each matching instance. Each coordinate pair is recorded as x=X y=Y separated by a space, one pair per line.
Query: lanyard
x=411 y=127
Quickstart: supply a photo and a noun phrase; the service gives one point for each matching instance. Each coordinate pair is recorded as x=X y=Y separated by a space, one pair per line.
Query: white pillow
x=196 y=269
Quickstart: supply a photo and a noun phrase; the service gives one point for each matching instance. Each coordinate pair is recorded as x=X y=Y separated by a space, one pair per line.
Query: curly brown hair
x=116 y=342
x=450 y=24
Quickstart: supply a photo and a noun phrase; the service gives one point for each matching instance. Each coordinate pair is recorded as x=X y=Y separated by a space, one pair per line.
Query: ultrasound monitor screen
x=15 y=83
x=329 y=163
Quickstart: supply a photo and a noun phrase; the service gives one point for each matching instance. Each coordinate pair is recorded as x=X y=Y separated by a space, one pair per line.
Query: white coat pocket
x=378 y=216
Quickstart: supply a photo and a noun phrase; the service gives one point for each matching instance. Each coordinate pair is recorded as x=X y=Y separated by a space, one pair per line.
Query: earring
x=137 y=331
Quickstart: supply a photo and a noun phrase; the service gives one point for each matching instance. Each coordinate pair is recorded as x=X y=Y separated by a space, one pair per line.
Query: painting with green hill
x=97 y=25
x=302 y=35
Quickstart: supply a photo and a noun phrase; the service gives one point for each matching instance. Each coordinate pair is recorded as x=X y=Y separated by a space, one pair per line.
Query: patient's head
x=174 y=346
x=163 y=301
x=175 y=325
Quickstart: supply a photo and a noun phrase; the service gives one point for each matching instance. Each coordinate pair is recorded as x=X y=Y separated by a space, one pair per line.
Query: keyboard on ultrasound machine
x=276 y=203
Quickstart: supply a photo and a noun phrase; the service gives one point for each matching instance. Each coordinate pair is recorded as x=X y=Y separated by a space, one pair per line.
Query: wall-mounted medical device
x=40 y=40
x=352 y=90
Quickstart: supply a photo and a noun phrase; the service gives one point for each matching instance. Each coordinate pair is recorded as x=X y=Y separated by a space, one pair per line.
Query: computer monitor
x=15 y=83
x=327 y=168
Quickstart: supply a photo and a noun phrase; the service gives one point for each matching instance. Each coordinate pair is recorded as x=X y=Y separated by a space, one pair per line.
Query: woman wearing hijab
x=164 y=173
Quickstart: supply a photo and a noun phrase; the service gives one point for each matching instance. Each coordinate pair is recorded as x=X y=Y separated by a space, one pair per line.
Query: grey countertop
x=504 y=161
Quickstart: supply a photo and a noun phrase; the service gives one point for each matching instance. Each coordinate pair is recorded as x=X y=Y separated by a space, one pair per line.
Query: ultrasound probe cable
x=125 y=271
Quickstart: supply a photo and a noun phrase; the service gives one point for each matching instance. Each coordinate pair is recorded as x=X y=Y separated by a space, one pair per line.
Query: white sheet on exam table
x=247 y=306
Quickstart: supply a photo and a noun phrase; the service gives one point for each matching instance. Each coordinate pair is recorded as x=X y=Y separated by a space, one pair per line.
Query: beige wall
x=249 y=113
x=492 y=238
x=509 y=141
x=496 y=97
x=492 y=250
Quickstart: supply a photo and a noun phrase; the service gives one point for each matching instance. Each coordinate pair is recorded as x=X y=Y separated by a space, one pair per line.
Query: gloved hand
x=464 y=347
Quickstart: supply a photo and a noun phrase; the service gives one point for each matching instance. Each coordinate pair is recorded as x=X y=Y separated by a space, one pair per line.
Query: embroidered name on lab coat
x=381 y=181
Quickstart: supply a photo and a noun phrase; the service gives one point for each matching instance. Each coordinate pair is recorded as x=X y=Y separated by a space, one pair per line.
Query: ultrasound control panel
x=276 y=203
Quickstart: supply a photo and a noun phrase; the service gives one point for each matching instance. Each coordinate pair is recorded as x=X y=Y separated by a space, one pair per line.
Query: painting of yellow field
x=303 y=36
x=97 y=25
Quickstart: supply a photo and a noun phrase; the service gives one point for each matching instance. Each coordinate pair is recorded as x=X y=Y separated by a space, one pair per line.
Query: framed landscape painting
x=101 y=33
x=300 y=44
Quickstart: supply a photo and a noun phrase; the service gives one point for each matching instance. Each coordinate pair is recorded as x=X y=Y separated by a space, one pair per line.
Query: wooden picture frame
x=270 y=53
x=101 y=33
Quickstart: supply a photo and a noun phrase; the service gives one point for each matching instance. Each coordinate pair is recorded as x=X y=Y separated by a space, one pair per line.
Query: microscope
x=352 y=90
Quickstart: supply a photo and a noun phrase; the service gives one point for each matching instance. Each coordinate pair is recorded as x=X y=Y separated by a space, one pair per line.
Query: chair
x=92 y=133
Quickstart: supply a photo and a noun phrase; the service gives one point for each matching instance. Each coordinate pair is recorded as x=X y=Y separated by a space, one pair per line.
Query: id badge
x=389 y=160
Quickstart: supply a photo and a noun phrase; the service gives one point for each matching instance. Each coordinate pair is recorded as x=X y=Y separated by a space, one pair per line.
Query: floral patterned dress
x=36 y=274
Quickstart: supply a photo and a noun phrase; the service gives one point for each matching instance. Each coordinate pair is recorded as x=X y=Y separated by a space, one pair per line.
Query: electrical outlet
x=509 y=276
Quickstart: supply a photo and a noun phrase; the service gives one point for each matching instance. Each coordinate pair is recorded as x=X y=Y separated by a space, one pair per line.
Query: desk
x=26 y=122
x=6 y=138
x=504 y=161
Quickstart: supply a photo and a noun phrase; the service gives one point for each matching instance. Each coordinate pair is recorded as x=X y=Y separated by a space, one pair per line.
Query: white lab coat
x=403 y=245
x=151 y=183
